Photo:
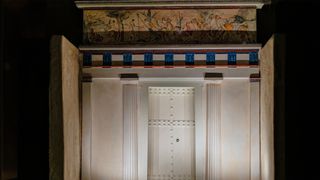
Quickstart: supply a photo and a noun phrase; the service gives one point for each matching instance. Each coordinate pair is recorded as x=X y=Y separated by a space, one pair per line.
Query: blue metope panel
x=87 y=59
x=211 y=58
x=232 y=58
x=253 y=58
x=189 y=59
x=127 y=59
x=107 y=59
x=148 y=59
x=168 y=59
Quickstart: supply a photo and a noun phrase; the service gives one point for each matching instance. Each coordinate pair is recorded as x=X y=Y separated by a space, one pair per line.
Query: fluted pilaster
x=130 y=141
x=213 y=131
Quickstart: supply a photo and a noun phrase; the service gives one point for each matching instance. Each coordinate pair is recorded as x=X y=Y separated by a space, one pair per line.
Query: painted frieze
x=165 y=26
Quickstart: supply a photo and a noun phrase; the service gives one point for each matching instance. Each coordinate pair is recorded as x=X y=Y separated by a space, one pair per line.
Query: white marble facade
x=171 y=130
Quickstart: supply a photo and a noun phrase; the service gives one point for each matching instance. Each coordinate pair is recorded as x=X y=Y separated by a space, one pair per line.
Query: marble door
x=171 y=133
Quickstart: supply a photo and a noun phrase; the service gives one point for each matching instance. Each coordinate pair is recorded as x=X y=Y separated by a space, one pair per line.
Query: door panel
x=171 y=133
x=267 y=109
x=64 y=123
x=184 y=165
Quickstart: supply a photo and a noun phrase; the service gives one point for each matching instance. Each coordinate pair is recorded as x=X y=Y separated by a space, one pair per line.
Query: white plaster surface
x=107 y=125
x=235 y=129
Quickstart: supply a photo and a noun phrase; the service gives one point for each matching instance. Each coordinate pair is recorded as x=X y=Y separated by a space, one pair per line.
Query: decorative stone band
x=100 y=4
x=241 y=57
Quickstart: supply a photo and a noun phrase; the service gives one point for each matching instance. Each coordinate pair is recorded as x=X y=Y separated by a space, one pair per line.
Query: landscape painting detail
x=163 y=26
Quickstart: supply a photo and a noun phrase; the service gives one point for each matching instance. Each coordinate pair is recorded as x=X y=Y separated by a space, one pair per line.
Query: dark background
x=27 y=25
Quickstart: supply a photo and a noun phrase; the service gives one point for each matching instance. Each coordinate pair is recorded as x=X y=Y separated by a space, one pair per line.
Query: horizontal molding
x=171 y=58
x=174 y=47
x=170 y=123
x=164 y=72
x=165 y=4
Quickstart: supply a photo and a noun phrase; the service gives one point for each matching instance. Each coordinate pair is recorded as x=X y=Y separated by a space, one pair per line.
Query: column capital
x=86 y=78
x=254 y=77
x=129 y=78
x=213 y=78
